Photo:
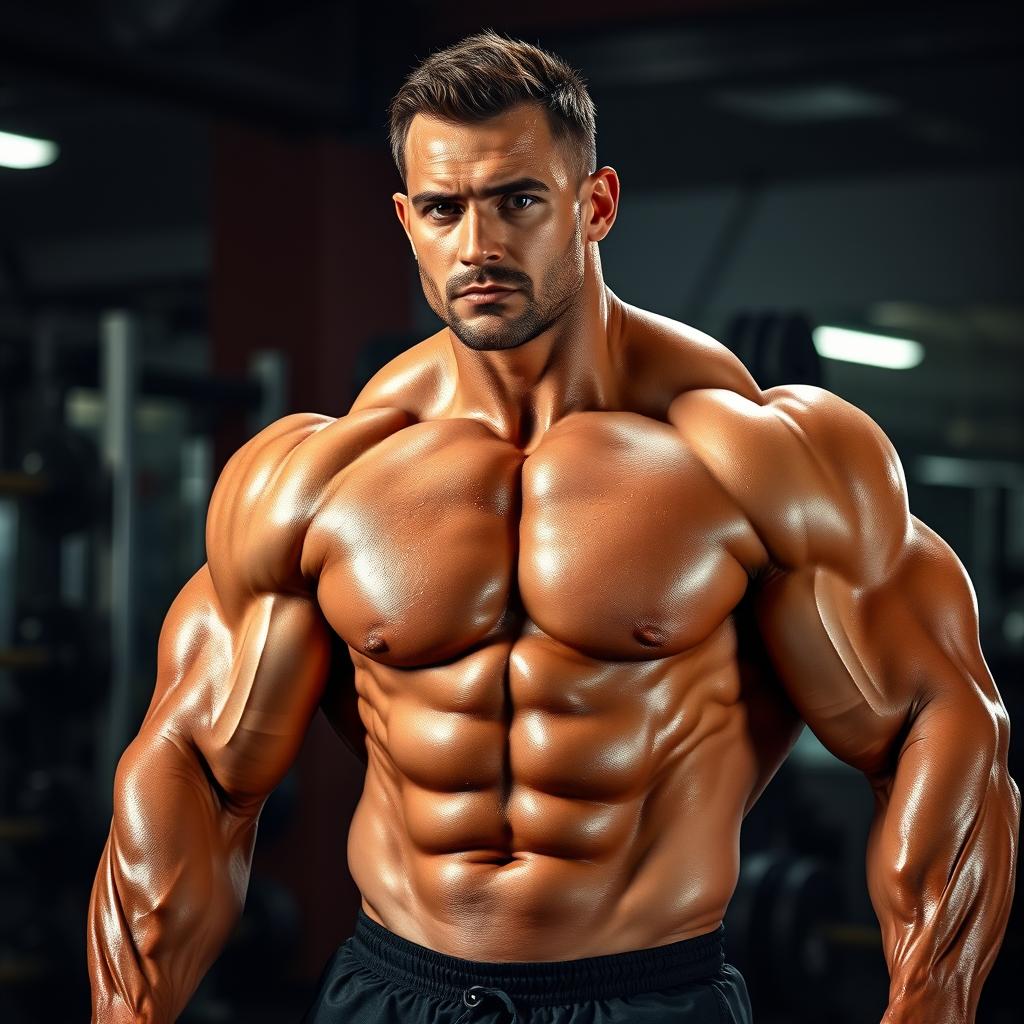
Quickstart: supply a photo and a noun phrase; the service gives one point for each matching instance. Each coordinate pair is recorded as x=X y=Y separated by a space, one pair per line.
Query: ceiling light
x=870 y=349
x=802 y=104
x=24 y=153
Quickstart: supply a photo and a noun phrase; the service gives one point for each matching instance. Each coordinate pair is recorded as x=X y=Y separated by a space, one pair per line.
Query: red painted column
x=306 y=255
x=308 y=258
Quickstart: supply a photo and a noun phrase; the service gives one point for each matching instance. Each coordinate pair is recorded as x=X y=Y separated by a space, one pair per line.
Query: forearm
x=941 y=861
x=170 y=885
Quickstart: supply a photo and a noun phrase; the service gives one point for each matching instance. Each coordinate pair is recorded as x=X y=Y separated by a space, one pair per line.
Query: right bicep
x=242 y=693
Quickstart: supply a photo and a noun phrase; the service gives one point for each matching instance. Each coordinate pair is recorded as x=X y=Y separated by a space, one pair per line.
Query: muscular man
x=533 y=531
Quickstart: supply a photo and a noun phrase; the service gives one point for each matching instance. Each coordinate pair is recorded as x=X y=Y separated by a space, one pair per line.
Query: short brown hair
x=486 y=74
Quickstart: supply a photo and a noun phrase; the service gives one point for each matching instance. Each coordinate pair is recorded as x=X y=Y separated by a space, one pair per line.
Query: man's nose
x=477 y=241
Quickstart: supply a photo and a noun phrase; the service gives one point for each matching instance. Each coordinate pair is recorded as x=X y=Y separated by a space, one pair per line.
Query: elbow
x=1002 y=732
x=1001 y=770
x=1002 y=783
x=980 y=727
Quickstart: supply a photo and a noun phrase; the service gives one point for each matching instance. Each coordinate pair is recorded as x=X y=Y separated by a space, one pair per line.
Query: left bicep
x=859 y=662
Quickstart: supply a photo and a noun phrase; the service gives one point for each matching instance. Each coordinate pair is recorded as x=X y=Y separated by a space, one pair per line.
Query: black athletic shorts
x=378 y=977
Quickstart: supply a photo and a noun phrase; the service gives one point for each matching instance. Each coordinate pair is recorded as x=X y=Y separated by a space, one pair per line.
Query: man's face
x=493 y=203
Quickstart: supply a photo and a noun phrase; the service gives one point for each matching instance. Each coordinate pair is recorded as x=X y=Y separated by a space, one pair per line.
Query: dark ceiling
x=728 y=91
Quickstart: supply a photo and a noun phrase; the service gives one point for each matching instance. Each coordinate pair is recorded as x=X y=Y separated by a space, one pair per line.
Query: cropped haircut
x=486 y=74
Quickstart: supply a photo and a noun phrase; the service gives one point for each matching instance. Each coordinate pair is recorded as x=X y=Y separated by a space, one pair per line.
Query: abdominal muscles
x=527 y=802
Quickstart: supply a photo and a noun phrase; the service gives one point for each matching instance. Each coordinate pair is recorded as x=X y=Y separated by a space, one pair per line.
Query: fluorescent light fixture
x=870 y=349
x=25 y=153
x=804 y=104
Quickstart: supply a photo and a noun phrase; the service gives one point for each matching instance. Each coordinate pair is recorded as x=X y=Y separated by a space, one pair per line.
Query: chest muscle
x=610 y=536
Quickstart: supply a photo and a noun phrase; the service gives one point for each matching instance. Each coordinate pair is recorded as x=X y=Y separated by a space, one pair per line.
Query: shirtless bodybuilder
x=533 y=531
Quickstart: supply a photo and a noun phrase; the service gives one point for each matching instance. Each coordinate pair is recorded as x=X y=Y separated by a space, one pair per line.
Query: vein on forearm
x=940 y=860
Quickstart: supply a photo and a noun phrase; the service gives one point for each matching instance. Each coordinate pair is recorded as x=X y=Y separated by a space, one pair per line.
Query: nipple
x=649 y=636
x=375 y=644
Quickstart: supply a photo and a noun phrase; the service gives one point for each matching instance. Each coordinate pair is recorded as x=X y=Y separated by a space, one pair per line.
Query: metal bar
x=119 y=343
x=268 y=370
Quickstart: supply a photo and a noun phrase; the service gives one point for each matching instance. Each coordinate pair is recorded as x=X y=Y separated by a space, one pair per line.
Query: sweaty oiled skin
x=577 y=663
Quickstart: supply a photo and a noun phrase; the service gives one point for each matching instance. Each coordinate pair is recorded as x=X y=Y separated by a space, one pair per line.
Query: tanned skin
x=536 y=532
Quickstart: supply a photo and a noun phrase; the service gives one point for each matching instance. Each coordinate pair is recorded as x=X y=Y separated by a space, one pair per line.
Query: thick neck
x=520 y=393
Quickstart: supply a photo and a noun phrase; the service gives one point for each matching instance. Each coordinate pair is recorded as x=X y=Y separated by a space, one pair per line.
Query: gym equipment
x=784 y=931
x=70 y=502
x=65 y=642
x=777 y=348
x=61 y=476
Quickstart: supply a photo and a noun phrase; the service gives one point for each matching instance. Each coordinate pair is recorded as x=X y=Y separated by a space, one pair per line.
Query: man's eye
x=431 y=210
x=522 y=195
x=439 y=211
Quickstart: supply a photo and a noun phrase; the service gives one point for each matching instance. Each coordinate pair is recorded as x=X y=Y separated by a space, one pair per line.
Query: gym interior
x=197 y=237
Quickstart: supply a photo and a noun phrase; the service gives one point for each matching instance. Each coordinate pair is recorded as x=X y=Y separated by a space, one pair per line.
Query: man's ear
x=604 y=202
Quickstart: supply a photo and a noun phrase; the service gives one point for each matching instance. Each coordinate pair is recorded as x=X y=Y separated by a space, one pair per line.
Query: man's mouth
x=488 y=293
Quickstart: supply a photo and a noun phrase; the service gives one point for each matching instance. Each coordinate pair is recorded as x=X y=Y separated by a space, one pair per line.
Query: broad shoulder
x=815 y=475
x=269 y=490
x=290 y=460
x=826 y=428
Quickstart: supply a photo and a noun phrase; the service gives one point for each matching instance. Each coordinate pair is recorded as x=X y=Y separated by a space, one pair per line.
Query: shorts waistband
x=537 y=983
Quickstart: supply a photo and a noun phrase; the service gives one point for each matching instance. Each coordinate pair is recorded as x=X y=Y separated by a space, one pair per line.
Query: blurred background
x=196 y=236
